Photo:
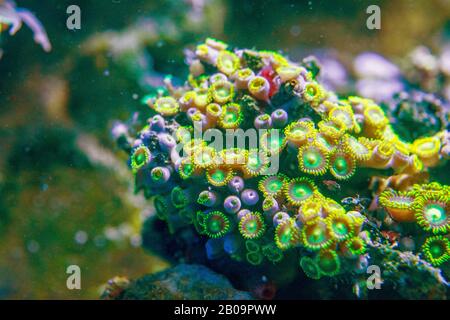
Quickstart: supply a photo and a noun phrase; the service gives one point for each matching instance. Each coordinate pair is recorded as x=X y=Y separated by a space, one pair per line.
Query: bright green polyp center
x=157 y=174
x=218 y=175
x=214 y=225
x=301 y=191
x=311 y=91
x=274 y=185
x=435 y=214
x=140 y=158
x=286 y=236
x=436 y=250
x=230 y=117
x=251 y=226
x=312 y=159
x=317 y=236
x=340 y=166
x=340 y=228
x=188 y=168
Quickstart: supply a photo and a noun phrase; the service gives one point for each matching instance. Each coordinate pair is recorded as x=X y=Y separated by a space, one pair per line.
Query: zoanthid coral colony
x=257 y=216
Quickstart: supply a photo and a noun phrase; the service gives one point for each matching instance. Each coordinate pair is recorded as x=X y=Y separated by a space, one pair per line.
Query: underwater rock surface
x=186 y=282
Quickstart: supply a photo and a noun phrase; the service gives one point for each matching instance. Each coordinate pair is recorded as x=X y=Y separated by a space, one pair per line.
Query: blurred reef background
x=66 y=194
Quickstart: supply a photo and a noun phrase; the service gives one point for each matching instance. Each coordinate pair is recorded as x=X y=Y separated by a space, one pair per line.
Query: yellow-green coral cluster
x=304 y=129
x=428 y=206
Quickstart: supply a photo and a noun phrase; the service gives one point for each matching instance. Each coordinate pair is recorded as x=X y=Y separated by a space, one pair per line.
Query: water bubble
x=295 y=30
x=112 y=234
x=136 y=240
x=81 y=237
x=99 y=241
x=33 y=246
